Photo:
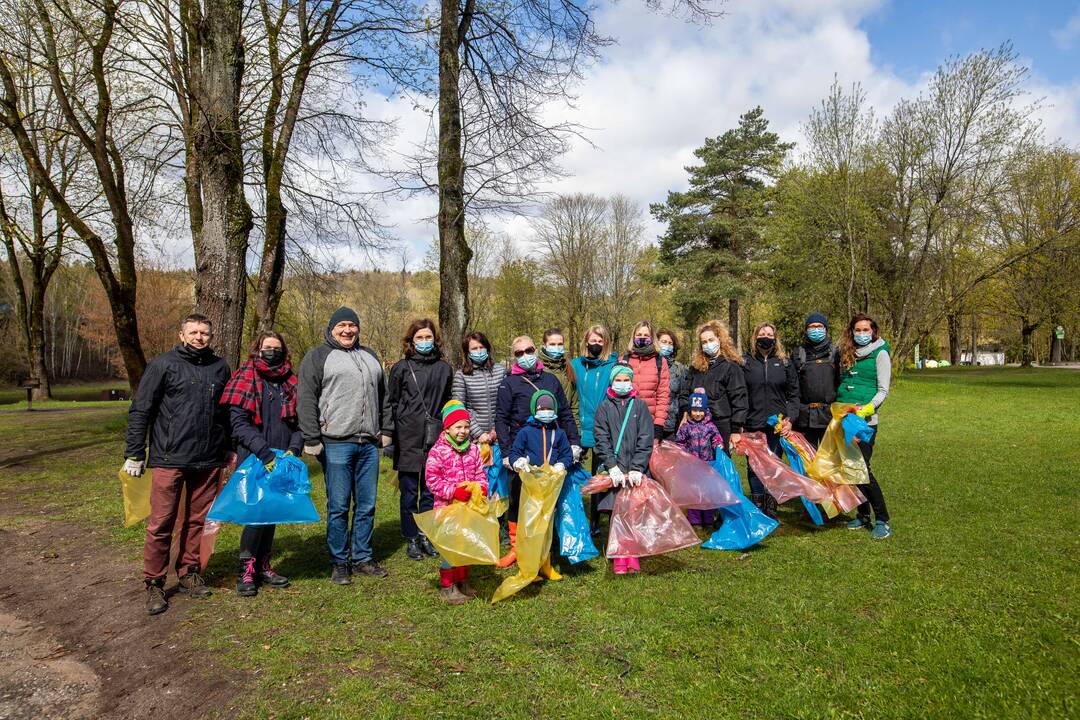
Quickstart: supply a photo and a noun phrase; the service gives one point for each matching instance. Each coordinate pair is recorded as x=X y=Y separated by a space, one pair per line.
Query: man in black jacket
x=817 y=362
x=177 y=402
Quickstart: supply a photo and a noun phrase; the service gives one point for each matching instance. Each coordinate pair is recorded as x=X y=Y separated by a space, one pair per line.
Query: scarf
x=245 y=388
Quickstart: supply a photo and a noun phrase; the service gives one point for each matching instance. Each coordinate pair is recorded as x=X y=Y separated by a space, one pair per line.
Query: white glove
x=617 y=477
x=576 y=451
x=134 y=467
x=506 y=463
x=559 y=468
x=633 y=478
x=313 y=448
x=522 y=465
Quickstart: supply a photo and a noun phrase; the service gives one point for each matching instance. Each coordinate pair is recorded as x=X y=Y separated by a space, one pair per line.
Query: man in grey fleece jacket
x=344 y=418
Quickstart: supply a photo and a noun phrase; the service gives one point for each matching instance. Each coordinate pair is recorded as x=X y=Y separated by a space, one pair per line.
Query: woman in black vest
x=419 y=386
x=817 y=363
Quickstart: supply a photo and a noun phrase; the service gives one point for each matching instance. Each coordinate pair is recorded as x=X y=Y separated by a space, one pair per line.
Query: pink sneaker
x=620 y=566
x=632 y=565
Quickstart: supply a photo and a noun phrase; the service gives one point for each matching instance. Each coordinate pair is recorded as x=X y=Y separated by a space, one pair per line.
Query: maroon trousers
x=167 y=516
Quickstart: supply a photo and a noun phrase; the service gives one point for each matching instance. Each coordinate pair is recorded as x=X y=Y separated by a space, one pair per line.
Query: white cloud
x=1065 y=36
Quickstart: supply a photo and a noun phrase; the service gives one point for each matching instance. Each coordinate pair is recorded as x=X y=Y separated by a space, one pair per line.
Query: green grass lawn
x=83 y=393
x=969 y=610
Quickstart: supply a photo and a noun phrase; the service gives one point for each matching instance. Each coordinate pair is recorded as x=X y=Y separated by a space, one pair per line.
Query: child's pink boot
x=620 y=566
x=632 y=565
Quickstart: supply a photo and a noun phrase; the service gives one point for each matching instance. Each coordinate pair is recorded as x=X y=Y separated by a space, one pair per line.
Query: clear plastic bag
x=540 y=490
x=744 y=525
x=253 y=496
x=571 y=523
x=136 y=497
x=464 y=533
x=645 y=521
x=692 y=483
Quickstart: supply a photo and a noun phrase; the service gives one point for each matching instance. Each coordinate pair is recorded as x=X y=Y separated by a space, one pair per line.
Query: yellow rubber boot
x=548 y=570
x=511 y=557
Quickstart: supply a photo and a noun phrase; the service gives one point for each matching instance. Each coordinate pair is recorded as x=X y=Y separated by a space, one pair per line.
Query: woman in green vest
x=865 y=371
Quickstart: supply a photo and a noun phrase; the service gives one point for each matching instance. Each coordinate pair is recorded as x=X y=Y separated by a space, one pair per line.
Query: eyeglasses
x=527 y=351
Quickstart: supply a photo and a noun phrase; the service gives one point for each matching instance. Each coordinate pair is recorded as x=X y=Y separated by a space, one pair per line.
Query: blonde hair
x=727 y=348
x=596 y=330
x=778 y=349
x=640 y=324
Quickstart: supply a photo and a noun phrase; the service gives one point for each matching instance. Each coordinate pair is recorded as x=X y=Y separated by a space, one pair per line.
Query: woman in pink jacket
x=452 y=462
x=652 y=381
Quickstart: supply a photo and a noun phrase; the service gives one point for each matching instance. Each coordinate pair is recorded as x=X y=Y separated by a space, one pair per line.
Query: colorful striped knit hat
x=452 y=412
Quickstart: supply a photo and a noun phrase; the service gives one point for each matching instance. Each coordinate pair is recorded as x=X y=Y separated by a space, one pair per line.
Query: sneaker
x=413 y=551
x=427 y=548
x=245 y=583
x=267 y=576
x=860 y=523
x=339 y=575
x=369 y=568
x=155 y=599
x=452 y=596
x=193 y=585
x=882 y=530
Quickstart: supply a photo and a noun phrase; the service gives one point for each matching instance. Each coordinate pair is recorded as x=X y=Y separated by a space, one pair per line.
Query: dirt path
x=76 y=642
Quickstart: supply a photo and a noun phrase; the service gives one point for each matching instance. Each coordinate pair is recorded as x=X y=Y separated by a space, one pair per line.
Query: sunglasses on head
x=527 y=351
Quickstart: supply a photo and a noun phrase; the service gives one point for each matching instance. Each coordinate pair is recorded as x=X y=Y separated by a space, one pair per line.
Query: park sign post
x=31 y=384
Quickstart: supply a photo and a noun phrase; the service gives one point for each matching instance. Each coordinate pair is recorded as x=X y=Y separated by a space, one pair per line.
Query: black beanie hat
x=816 y=317
x=342 y=314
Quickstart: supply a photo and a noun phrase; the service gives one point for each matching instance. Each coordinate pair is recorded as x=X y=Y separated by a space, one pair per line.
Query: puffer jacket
x=652 y=382
x=541 y=444
x=512 y=408
x=446 y=468
x=478 y=391
x=700 y=439
x=593 y=380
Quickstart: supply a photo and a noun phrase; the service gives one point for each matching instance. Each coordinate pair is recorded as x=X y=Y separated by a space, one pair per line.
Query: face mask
x=424 y=346
x=478 y=356
x=765 y=344
x=272 y=356
x=862 y=339
x=642 y=342
x=554 y=352
x=667 y=350
x=545 y=416
x=816 y=334
x=622 y=387
x=595 y=349
x=711 y=348
x=526 y=362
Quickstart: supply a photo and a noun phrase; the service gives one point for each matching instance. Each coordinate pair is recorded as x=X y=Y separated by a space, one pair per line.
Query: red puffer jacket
x=653 y=384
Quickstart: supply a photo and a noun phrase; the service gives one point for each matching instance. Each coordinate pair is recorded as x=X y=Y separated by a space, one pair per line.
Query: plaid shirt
x=245 y=388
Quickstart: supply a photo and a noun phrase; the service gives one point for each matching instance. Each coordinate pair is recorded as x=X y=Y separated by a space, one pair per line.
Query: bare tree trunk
x=454 y=253
x=272 y=268
x=953 y=320
x=1057 y=348
x=1027 y=346
x=974 y=339
x=733 y=323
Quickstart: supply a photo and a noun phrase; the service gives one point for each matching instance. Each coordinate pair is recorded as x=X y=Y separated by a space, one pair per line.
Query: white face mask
x=622 y=387
x=711 y=348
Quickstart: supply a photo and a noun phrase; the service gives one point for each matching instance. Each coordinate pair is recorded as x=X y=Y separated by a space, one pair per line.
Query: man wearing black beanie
x=817 y=362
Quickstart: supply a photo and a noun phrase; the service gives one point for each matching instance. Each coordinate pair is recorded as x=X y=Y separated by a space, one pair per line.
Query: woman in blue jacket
x=591 y=371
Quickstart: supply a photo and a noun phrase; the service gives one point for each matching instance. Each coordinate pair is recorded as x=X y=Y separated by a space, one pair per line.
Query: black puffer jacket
x=411 y=405
x=177 y=402
x=772 y=387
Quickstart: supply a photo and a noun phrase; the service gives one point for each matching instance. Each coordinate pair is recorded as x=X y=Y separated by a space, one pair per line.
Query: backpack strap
x=626 y=419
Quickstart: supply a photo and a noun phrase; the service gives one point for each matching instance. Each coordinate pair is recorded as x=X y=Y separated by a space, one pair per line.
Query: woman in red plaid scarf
x=262 y=399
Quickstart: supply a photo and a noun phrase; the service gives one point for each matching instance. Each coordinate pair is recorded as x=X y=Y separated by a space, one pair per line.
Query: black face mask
x=272 y=356
x=765 y=344
x=595 y=350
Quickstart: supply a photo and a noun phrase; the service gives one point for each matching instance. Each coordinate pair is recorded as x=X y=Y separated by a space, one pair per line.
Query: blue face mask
x=554 y=352
x=545 y=416
x=478 y=356
x=622 y=387
x=816 y=334
x=424 y=346
x=667 y=350
x=526 y=362
x=862 y=339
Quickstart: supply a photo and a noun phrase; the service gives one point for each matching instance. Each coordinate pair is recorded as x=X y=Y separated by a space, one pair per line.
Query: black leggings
x=872 y=491
x=255 y=541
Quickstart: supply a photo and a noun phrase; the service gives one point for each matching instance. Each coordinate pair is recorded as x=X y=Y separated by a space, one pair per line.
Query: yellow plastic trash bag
x=136 y=497
x=836 y=461
x=464 y=533
x=536 y=510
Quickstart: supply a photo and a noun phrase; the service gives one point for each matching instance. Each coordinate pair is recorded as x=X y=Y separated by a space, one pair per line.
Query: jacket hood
x=632 y=394
x=861 y=352
x=517 y=370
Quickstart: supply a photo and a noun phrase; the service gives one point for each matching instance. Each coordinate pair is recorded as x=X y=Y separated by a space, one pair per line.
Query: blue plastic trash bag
x=255 y=497
x=795 y=462
x=856 y=427
x=743 y=525
x=571 y=523
x=498 y=476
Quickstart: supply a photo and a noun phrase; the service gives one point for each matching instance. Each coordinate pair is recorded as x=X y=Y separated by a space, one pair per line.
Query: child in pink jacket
x=452 y=462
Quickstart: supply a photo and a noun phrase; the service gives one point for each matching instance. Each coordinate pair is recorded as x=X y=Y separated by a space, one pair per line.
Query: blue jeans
x=352 y=476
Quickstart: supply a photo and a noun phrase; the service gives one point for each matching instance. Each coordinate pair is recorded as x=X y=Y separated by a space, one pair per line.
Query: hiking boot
x=193 y=585
x=339 y=575
x=245 y=583
x=427 y=548
x=452 y=595
x=862 y=522
x=155 y=598
x=369 y=568
x=882 y=529
x=413 y=551
x=267 y=576
x=769 y=506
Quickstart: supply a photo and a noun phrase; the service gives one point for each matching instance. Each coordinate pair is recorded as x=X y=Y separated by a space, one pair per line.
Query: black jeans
x=255 y=541
x=872 y=491
x=813 y=435
x=415 y=498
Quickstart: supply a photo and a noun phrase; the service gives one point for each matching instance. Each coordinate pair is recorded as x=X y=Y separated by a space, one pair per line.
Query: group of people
x=601 y=407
